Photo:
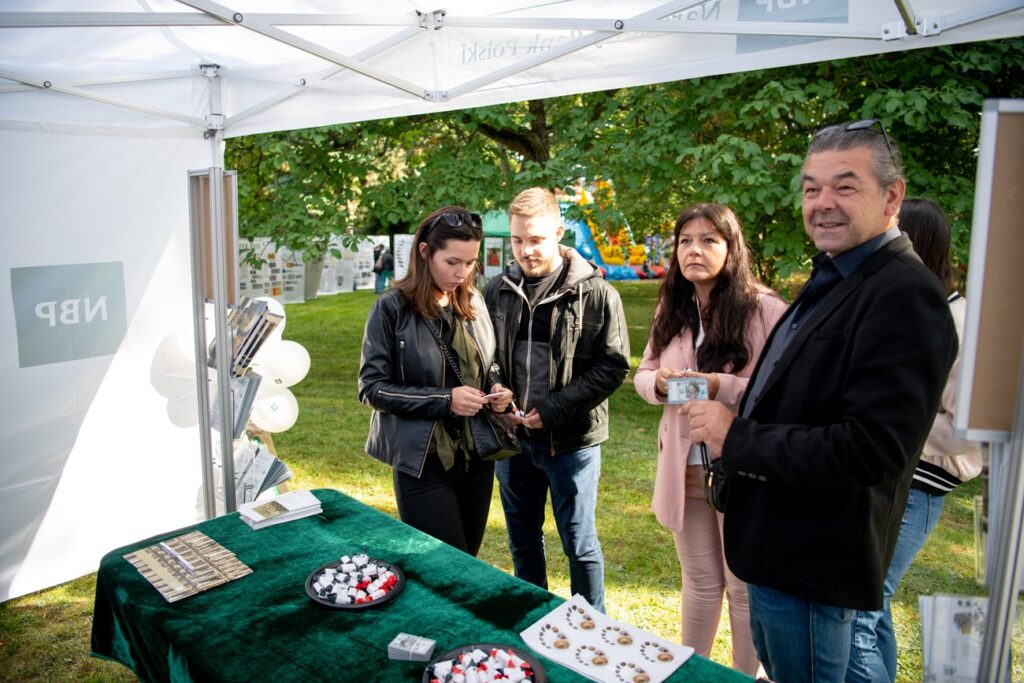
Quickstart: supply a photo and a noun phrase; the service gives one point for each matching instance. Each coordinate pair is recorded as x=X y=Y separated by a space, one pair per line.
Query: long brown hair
x=733 y=299
x=418 y=286
x=928 y=229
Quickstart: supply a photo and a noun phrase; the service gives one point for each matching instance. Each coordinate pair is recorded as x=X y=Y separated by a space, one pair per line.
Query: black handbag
x=494 y=436
x=716 y=481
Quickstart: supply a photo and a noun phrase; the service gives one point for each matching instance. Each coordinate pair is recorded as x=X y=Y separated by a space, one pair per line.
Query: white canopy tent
x=103 y=111
x=139 y=65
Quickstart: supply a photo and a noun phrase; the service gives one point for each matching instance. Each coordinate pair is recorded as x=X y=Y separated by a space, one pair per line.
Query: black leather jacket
x=407 y=381
x=589 y=349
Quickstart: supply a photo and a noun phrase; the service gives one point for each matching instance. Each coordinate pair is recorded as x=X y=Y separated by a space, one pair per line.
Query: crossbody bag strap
x=444 y=350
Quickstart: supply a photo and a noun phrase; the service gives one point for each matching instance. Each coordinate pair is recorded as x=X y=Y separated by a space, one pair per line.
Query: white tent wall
x=94 y=455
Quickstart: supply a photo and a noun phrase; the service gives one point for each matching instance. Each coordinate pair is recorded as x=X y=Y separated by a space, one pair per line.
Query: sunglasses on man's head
x=864 y=125
x=454 y=220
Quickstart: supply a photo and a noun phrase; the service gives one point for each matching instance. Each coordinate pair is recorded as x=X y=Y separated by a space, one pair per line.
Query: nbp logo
x=68 y=312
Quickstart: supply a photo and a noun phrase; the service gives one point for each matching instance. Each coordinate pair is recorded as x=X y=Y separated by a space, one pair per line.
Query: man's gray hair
x=886 y=160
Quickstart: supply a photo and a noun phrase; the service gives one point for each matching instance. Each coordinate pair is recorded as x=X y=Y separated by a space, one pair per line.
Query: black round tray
x=538 y=671
x=395 y=590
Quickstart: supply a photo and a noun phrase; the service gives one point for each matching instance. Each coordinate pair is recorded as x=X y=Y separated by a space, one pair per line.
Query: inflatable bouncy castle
x=618 y=257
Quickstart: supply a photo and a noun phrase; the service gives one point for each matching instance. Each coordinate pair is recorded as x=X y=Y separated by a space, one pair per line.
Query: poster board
x=403 y=250
x=493 y=257
x=329 y=275
x=199 y=190
x=254 y=281
x=362 y=265
x=994 y=332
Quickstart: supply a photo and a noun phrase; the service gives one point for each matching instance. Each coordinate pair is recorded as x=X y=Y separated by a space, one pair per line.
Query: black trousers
x=451 y=506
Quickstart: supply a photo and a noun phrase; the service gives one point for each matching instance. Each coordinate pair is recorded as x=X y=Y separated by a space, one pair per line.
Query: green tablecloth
x=263 y=626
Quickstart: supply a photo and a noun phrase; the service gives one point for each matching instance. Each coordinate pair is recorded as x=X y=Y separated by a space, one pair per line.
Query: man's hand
x=531 y=419
x=467 y=401
x=709 y=423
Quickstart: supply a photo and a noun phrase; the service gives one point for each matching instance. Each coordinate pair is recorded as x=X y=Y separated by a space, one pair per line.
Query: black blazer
x=821 y=468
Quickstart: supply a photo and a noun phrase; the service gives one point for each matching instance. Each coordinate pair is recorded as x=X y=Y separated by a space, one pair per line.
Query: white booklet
x=257 y=470
x=284 y=508
x=953 y=627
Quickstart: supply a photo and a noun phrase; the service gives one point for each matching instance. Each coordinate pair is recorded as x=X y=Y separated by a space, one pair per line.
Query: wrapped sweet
x=352 y=581
x=481 y=666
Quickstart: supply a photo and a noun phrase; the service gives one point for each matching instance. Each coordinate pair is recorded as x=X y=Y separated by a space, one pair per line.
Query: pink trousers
x=706 y=576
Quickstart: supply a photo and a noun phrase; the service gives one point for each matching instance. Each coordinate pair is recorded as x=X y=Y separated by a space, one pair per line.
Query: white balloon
x=287 y=365
x=274 y=306
x=183 y=410
x=276 y=410
x=267 y=349
x=270 y=344
x=185 y=332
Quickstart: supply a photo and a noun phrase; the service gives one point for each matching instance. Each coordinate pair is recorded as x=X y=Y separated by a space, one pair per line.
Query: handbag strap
x=444 y=350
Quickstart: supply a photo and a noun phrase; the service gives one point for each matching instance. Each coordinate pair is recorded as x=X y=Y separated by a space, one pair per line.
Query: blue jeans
x=524 y=481
x=873 y=654
x=799 y=641
x=380 y=281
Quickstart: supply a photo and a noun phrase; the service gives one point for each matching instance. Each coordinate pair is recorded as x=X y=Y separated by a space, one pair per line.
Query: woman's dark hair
x=418 y=286
x=928 y=230
x=733 y=299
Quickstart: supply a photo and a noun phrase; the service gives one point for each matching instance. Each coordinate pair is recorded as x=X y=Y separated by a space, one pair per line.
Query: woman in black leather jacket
x=420 y=408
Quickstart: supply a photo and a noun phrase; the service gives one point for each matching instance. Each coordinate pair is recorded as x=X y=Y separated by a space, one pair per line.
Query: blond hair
x=536 y=201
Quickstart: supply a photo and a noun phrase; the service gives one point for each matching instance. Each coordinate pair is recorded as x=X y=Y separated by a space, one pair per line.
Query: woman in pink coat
x=712 y=319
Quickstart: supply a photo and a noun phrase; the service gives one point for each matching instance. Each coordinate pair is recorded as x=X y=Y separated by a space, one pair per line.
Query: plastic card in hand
x=496 y=394
x=500 y=663
x=354 y=582
x=683 y=389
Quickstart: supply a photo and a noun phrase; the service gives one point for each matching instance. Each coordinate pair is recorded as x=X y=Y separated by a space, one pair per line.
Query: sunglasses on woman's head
x=454 y=220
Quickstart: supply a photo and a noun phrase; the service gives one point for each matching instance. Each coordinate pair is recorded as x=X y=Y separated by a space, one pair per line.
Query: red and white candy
x=355 y=581
x=477 y=666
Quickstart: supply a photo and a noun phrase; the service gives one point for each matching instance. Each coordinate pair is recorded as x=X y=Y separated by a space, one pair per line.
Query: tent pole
x=233 y=18
x=201 y=347
x=215 y=134
x=1006 y=556
x=908 y=14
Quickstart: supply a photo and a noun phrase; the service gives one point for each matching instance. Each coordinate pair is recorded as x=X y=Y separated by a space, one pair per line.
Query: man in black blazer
x=822 y=453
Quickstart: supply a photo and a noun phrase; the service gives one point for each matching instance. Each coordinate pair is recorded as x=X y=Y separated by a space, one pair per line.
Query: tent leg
x=1006 y=562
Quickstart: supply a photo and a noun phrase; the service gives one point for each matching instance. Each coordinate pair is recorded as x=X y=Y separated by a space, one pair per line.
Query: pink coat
x=673 y=430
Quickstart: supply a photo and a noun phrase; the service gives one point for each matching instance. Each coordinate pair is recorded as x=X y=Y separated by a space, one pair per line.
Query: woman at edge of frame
x=712 y=319
x=420 y=409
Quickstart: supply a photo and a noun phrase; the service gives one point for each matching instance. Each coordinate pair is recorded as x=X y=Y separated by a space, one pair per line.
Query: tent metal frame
x=658 y=20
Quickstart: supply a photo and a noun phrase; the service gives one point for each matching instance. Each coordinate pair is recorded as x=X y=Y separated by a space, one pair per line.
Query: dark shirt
x=531 y=355
x=827 y=273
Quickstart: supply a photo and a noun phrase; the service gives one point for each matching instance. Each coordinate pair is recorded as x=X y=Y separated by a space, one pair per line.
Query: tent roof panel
x=325 y=63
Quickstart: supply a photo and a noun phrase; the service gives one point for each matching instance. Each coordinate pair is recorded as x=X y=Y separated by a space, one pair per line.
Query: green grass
x=45 y=636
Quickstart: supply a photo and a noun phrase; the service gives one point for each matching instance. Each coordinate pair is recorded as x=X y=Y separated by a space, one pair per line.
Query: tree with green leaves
x=737 y=139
